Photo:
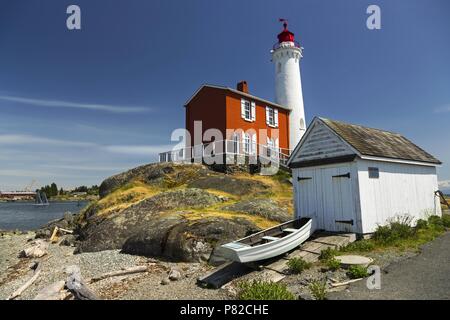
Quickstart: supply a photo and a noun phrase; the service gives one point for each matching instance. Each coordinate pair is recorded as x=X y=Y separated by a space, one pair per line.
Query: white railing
x=226 y=147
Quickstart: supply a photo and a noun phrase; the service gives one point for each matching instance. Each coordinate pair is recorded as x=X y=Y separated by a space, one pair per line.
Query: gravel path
x=424 y=276
x=15 y=271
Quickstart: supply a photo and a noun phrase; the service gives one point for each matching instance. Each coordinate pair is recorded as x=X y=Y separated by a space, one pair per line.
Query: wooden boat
x=270 y=242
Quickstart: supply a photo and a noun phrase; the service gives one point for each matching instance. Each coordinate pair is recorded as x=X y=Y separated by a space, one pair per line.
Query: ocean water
x=26 y=216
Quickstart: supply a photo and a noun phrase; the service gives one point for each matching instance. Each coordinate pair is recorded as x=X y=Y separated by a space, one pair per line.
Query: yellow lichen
x=259 y=221
x=125 y=197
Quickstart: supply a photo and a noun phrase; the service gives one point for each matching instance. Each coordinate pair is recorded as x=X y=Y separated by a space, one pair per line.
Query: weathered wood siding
x=321 y=143
x=400 y=189
x=328 y=199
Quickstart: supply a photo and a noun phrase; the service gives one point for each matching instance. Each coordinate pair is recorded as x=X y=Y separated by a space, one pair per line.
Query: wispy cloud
x=138 y=150
x=85 y=167
x=76 y=105
x=26 y=173
x=444 y=184
x=442 y=109
x=25 y=139
x=22 y=139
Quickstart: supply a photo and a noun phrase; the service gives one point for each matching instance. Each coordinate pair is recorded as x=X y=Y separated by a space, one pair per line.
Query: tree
x=61 y=192
x=53 y=190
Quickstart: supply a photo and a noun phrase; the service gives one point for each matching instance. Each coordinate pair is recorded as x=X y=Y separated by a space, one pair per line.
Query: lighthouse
x=286 y=55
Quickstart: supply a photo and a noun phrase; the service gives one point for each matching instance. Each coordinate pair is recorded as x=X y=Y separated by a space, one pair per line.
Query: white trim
x=253 y=110
x=275 y=117
x=418 y=163
x=305 y=136
x=250 y=110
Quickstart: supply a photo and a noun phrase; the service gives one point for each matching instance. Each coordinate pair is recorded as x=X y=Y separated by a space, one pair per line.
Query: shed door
x=307 y=200
x=339 y=211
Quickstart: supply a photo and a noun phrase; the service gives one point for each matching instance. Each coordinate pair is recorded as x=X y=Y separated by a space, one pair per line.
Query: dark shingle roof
x=247 y=95
x=379 y=143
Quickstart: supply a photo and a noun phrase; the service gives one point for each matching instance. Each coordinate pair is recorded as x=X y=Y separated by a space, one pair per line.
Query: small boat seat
x=270 y=238
x=236 y=245
x=290 y=230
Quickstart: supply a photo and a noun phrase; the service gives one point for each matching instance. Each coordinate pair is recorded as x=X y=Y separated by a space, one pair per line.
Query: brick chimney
x=242 y=86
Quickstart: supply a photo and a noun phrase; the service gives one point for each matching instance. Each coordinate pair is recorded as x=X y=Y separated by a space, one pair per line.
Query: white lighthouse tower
x=286 y=55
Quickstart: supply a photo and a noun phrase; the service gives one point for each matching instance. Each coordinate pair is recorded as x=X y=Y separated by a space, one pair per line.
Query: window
x=270 y=146
x=374 y=173
x=279 y=67
x=302 y=124
x=271 y=117
x=248 y=110
x=247 y=143
x=236 y=143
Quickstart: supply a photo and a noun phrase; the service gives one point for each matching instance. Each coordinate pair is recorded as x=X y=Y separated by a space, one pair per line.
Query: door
x=340 y=213
x=307 y=195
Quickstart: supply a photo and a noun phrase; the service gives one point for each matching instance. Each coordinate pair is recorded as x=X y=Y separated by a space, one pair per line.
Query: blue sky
x=79 y=106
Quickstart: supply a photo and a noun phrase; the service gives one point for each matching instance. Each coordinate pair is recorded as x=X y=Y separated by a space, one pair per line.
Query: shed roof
x=379 y=143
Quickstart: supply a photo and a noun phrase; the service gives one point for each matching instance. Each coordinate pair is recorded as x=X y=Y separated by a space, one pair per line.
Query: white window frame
x=247 y=143
x=236 y=143
x=271 y=117
x=248 y=110
x=270 y=146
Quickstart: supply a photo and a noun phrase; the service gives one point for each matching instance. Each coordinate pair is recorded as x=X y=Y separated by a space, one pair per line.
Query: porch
x=229 y=152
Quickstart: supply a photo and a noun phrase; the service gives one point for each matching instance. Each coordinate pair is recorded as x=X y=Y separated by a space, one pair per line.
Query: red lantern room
x=285 y=35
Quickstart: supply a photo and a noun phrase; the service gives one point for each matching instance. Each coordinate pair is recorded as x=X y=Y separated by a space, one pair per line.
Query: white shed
x=353 y=178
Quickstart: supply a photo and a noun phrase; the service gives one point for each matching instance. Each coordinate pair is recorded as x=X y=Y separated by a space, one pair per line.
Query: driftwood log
x=39 y=249
x=55 y=291
x=78 y=287
x=57 y=229
x=345 y=282
x=18 y=292
x=128 y=271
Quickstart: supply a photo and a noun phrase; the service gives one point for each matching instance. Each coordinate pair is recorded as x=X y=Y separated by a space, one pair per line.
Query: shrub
x=446 y=220
x=360 y=246
x=263 y=290
x=327 y=254
x=398 y=229
x=297 y=265
x=333 y=264
x=356 y=272
x=436 y=222
x=318 y=290
x=421 y=224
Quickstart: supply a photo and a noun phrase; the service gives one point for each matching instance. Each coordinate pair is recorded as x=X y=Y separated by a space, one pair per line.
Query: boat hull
x=236 y=252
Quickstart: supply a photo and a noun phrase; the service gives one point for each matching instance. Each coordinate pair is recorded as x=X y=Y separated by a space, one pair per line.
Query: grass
x=298 y=265
x=318 y=290
x=328 y=254
x=333 y=264
x=356 y=272
x=401 y=235
x=263 y=290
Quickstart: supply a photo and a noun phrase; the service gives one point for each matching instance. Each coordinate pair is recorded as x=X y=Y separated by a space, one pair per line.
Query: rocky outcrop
x=66 y=222
x=186 y=214
x=182 y=240
x=230 y=184
x=267 y=208
x=151 y=229
x=159 y=174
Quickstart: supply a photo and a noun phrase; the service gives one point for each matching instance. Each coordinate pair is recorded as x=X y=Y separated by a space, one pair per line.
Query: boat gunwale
x=263 y=245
